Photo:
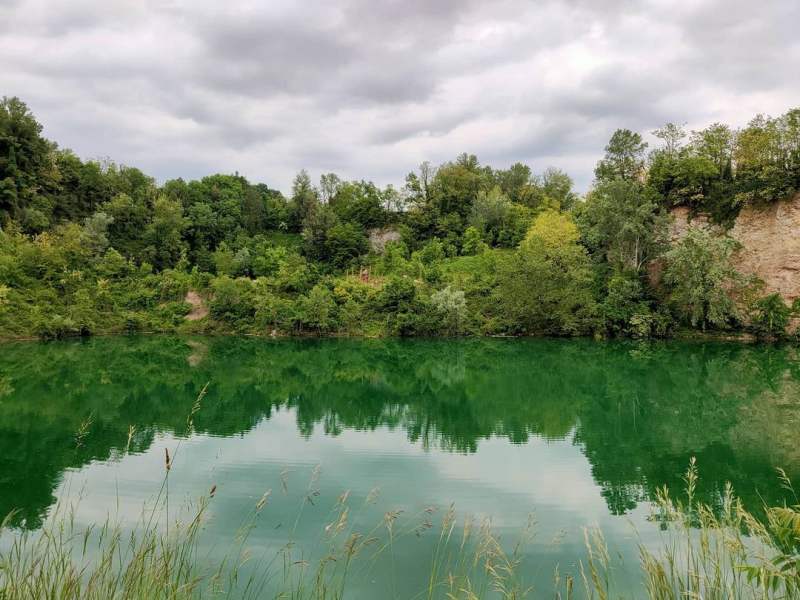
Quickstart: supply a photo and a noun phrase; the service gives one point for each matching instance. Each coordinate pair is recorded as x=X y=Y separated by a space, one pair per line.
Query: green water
x=579 y=433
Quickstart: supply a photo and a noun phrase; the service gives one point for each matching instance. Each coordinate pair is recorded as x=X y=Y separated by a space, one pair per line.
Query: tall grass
x=722 y=555
x=703 y=553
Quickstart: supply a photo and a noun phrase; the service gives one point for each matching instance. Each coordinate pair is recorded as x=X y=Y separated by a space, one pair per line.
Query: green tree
x=683 y=178
x=624 y=158
x=95 y=231
x=304 y=202
x=329 y=186
x=359 y=202
x=672 y=135
x=545 y=287
x=715 y=142
x=24 y=157
x=451 y=305
x=622 y=221
x=232 y=300
x=163 y=237
x=316 y=231
x=772 y=316
x=345 y=243
x=499 y=221
x=515 y=182
x=557 y=186
x=473 y=242
x=225 y=260
x=700 y=274
x=317 y=309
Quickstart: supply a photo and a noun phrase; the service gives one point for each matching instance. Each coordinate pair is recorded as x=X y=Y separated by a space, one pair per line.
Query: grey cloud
x=370 y=89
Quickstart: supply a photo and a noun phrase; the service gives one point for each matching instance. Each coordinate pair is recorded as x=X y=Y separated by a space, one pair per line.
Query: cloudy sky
x=370 y=88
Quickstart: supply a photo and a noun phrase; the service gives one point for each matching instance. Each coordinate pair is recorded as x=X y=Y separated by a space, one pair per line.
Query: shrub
x=452 y=308
x=232 y=300
x=771 y=316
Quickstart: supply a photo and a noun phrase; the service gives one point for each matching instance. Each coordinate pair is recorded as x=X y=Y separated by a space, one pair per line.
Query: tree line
x=89 y=246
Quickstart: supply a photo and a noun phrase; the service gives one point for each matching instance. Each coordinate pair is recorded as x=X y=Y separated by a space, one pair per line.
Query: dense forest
x=461 y=249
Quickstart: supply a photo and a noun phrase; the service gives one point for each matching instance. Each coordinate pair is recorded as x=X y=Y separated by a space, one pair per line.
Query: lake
x=577 y=433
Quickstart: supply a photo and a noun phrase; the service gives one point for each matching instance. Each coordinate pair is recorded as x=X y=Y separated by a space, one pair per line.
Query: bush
x=451 y=306
x=232 y=300
x=771 y=316
x=406 y=314
x=317 y=310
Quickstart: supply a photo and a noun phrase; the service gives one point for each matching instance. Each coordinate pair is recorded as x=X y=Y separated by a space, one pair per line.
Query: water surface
x=578 y=433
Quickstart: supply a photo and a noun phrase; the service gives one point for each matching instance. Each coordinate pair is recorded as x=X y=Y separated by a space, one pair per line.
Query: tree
x=317 y=309
x=452 y=307
x=456 y=185
x=316 y=229
x=329 y=186
x=767 y=158
x=624 y=157
x=224 y=260
x=360 y=202
x=345 y=243
x=305 y=199
x=557 y=186
x=716 y=144
x=545 y=287
x=626 y=309
x=24 y=156
x=95 y=231
x=514 y=181
x=771 y=316
x=700 y=274
x=672 y=136
x=500 y=221
x=232 y=300
x=473 y=242
x=164 y=235
x=621 y=220
x=254 y=210
x=405 y=313
x=684 y=178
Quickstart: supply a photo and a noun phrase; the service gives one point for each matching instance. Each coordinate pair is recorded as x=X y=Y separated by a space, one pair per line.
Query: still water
x=575 y=433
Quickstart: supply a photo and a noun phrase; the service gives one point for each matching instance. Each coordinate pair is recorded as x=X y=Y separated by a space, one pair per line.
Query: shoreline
x=745 y=338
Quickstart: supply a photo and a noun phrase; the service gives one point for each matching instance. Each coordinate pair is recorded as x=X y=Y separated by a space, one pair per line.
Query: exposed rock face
x=770 y=239
x=378 y=238
x=199 y=309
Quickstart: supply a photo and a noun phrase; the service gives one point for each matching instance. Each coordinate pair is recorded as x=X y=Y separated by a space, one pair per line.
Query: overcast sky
x=370 y=88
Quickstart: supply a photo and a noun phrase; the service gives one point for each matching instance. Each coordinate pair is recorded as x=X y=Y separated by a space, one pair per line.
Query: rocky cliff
x=770 y=240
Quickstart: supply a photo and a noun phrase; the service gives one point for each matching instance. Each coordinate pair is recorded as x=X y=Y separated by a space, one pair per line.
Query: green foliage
x=771 y=317
x=499 y=221
x=451 y=306
x=345 y=243
x=304 y=201
x=360 y=203
x=622 y=221
x=232 y=300
x=683 y=179
x=473 y=242
x=406 y=314
x=91 y=246
x=545 y=286
x=721 y=170
x=624 y=158
x=767 y=158
x=317 y=310
x=702 y=278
